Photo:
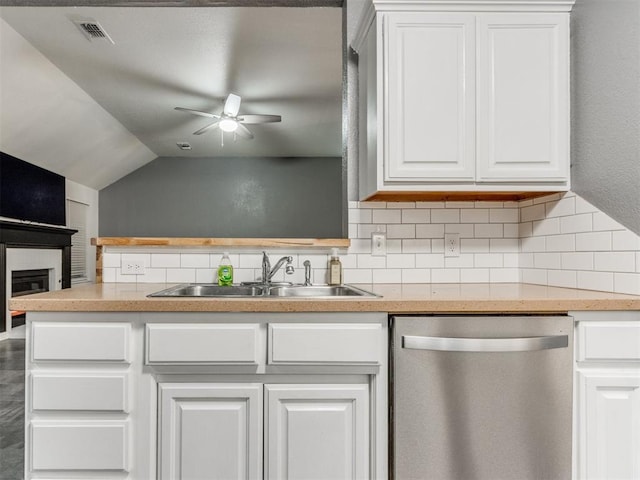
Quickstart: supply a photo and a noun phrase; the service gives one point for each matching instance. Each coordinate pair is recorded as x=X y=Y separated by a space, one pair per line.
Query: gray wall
x=226 y=197
x=606 y=107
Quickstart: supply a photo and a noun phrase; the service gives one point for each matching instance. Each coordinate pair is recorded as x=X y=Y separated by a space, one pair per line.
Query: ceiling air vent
x=183 y=146
x=93 y=30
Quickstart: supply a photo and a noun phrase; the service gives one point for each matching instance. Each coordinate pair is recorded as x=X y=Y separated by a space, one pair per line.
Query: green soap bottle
x=225 y=270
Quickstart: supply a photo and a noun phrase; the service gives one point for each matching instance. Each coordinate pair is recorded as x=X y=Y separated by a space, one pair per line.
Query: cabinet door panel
x=317 y=432
x=210 y=431
x=523 y=97
x=429 y=127
x=609 y=425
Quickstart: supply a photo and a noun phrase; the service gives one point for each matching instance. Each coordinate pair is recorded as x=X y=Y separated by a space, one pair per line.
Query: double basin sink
x=262 y=291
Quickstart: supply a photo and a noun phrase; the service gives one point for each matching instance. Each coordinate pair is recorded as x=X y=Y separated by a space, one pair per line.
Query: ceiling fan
x=229 y=120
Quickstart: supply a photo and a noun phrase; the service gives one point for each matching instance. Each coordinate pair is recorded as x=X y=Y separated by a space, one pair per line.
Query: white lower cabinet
x=311 y=431
x=607 y=407
x=210 y=431
x=316 y=432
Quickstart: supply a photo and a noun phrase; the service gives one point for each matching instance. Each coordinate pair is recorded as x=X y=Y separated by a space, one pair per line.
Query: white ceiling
x=282 y=61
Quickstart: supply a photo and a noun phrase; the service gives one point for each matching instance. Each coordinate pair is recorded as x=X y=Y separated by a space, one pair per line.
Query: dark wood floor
x=11 y=409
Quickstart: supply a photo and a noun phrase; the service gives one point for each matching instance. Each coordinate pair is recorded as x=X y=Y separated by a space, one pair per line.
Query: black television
x=30 y=193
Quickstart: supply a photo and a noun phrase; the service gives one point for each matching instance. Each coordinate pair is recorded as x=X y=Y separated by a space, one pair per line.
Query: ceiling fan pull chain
x=221 y=138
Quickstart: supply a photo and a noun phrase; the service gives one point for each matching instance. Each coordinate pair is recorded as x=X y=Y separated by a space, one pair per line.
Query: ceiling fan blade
x=253 y=119
x=197 y=112
x=206 y=128
x=243 y=132
x=232 y=105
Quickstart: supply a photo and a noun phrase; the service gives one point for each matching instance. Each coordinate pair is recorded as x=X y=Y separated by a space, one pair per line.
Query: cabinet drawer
x=107 y=342
x=79 y=446
x=330 y=343
x=198 y=343
x=101 y=392
x=609 y=341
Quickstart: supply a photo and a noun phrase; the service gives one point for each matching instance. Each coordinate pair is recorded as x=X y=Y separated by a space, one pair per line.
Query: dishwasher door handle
x=457 y=344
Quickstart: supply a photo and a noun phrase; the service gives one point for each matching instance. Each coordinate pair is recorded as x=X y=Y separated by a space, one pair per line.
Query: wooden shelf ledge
x=220 y=242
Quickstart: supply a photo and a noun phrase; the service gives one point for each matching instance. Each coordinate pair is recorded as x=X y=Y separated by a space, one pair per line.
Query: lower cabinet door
x=316 y=432
x=609 y=424
x=210 y=431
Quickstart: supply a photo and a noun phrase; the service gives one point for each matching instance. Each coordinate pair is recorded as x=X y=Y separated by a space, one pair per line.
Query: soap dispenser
x=335 y=268
x=225 y=271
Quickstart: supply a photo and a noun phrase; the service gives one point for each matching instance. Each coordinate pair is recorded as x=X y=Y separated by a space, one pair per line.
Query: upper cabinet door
x=523 y=97
x=430 y=83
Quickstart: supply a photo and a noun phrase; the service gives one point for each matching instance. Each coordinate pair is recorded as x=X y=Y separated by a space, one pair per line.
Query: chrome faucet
x=268 y=272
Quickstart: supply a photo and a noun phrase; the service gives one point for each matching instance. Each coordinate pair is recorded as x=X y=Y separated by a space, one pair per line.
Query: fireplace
x=26 y=248
x=26 y=282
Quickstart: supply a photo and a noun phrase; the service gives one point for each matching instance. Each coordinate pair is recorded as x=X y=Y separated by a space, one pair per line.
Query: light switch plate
x=378 y=244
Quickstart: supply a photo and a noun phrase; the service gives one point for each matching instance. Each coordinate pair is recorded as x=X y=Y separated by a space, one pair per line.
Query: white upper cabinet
x=460 y=99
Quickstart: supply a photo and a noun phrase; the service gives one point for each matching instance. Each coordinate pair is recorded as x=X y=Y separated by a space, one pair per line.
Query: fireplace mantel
x=15 y=234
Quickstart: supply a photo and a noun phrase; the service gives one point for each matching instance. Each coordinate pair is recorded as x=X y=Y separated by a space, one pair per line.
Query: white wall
x=48 y=120
x=88 y=196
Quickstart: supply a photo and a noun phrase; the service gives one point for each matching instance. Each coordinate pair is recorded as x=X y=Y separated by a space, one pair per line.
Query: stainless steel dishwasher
x=481 y=397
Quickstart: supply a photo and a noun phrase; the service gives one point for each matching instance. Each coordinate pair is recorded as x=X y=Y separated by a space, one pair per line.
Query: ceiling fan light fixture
x=228 y=125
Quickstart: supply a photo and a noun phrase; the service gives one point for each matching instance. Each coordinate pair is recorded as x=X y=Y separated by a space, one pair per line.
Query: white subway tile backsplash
x=374 y=205
x=394 y=245
x=525 y=260
x=181 y=275
x=109 y=275
x=474 y=245
x=430 y=205
x=465 y=230
x=547 y=198
x=448 y=275
x=506 y=245
x=466 y=260
x=437 y=245
x=474 y=215
x=562 y=278
x=595 y=281
x=576 y=223
x=592 y=242
x=489 y=260
x=143 y=258
x=359 y=275
x=504 y=215
x=387 y=216
x=209 y=275
x=401 y=231
x=488 y=230
x=504 y=275
x=577 y=261
x=549 y=226
x=417 y=215
x=547 y=260
x=361 y=246
x=561 y=208
x=602 y=221
x=511 y=230
x=401 y=260
x=445 y=215
x=429 y=231
x=535 y=276
x=615 y=261
x=457 y=204
x=534 y=212
x=430 y=260
x=361 y=215
x=390 y=275
x=625 y=240
x=511 y=260
x=561 y=243
x=474 y=275
x=111 y=260
x=195 y=260
x=366 y=229
x=152 y=275
x=582 y=206
x=251 y=260
x=418 y=245
x=627 y=283
x=404 y=205
x=368 y=261
x=416 y=275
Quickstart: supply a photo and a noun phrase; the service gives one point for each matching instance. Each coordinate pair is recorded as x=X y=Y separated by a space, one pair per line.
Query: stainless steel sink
x=248 y=291
x=316 y=291
x=208 y=290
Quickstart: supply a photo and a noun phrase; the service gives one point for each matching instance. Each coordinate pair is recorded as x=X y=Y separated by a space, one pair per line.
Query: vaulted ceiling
x=282 y=61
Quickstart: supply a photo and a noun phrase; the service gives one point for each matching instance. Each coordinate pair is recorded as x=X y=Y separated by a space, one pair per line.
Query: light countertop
x=404 y=298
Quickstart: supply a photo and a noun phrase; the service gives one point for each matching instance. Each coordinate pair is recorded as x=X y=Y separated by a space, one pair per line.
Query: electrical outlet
x=451 y=244
x=378 y=244
x=132 y=268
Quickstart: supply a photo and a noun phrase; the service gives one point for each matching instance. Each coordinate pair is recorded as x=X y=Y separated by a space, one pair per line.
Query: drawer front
x=330 y=343
x=609 y=341
x=104 y=342
x=79 y=446
x=91 y=392
x=198 y=343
